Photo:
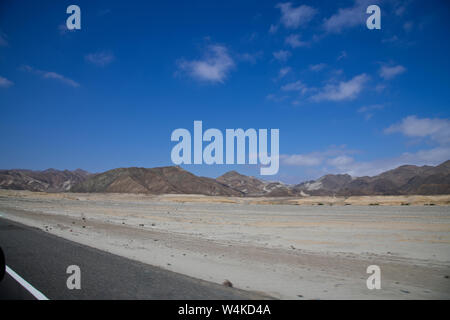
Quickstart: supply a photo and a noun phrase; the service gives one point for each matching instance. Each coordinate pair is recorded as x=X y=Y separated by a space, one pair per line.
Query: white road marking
x=36 y=293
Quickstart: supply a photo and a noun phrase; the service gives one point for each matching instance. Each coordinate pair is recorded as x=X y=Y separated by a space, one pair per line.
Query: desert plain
x=285 y=248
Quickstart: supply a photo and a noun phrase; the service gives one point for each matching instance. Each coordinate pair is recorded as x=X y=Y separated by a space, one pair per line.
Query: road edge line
x=36 y=293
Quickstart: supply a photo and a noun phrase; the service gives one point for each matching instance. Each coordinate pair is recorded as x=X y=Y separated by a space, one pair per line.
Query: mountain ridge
x=403 y=180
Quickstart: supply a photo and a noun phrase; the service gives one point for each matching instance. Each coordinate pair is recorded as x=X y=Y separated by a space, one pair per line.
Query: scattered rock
x=405 y=291
x=227 y=283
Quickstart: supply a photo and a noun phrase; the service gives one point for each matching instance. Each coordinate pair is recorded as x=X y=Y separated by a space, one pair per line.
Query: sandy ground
x=309 y=248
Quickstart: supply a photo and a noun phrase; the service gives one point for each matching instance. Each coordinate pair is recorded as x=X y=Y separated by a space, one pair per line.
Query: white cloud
x=214 y=67
x=329 y=162
x=340 y=161
x=282 y=55
x=302 y=160
x=370 y=108
x=348 y=17
x=283 y=72
x=100 y=59
x=5 y=83
x=388 y=73
x=315 y=158
x=293 y=17
x=51 y=75
x=294 y=86
x=433 y=157
x=344 y=90
x=368 y=111
x=249 y=57
x=436 y=129
x=294 y=41
x=317 y=67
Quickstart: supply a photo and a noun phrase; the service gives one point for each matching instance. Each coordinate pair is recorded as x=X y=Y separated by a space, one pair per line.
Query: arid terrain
x=288 y=248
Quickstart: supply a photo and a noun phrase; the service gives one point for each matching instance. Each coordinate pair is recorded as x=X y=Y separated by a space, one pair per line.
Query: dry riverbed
x=303 y=248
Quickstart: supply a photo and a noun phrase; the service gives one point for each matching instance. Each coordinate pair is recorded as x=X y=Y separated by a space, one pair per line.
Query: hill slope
x=49 y=180
x=154 y=181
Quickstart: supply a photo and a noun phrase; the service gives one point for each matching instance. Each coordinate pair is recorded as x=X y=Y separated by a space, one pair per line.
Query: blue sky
x=345 y=98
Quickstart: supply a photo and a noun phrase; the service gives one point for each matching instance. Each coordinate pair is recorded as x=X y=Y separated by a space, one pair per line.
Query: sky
x=345 y=99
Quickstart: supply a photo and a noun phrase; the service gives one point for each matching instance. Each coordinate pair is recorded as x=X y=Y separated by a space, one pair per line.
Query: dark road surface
x=42 y=260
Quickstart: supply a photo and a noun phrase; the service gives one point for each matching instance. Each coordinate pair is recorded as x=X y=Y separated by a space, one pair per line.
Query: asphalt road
x=42 y=260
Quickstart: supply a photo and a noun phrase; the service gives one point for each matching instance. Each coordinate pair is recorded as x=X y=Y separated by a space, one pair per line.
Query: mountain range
x=404 y=180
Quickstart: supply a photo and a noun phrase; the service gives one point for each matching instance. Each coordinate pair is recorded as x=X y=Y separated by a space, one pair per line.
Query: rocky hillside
x=403 y=180
x=49 y=180
x=154 y=181
x=249 y=186
x=400 y=181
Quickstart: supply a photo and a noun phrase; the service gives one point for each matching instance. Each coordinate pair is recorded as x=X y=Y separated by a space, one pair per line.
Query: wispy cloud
x=368 y=111
x=302 y=159
x=347 y=17
x=388 y=73
x=344 y=90
x=249 y=57
x=100 y=59
x=435 y=129
x=315 y=158
x=317 y=67
x=214 y=67
x=3 y=40
x=283 y=72
x=282 y=55
x=342 y=160
x=294 y=17
x=5 y=83
x=51 y=75
x=294 y=86
x=294 y=41
x=370 y=168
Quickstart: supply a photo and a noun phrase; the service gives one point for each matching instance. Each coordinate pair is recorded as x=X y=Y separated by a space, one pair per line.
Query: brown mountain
x=403 y=180
x=329 y=184
x=251 y=186
x=49 y=180
x=406 y=179
x=161 y=180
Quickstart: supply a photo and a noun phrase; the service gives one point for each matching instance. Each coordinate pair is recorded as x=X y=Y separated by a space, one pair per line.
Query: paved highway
x=40 y=261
